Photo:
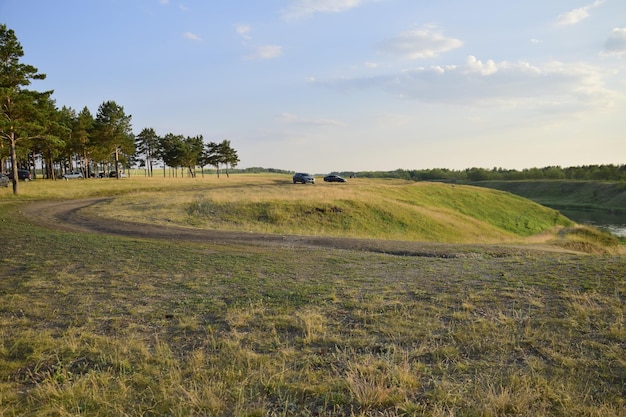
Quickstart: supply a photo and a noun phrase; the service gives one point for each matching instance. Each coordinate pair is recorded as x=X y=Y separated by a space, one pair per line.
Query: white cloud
x=420 y=43
x=475 y=65
x=303 y=8
x=260 y=52
x=574 y=16
x=555 y=86
x=191 y=36
x=266 y=52
x=616 y=42
x=243 y=31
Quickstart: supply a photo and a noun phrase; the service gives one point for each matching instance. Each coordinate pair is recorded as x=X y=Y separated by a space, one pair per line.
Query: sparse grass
x=95 y=325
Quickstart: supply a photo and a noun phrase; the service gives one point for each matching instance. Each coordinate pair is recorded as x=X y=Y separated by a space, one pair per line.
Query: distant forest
x=578 y=173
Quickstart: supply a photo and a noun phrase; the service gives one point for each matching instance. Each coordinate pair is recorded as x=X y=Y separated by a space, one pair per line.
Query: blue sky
x=323 y=85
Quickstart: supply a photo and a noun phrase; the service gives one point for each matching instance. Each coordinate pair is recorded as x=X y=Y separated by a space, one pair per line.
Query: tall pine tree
x=20 y=109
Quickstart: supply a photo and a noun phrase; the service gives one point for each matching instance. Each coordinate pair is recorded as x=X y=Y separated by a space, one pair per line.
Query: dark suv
x=22 y=174
x=303 y=178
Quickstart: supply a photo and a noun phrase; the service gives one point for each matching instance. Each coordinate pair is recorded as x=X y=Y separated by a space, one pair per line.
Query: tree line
x=185 y=152
x=33 y=129
x=609 y=172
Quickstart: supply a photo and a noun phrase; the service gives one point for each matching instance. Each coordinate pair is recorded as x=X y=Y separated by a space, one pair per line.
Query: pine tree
x=20 y=109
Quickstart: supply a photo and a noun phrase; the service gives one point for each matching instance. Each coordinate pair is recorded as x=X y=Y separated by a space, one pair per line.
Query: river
x=614 y=223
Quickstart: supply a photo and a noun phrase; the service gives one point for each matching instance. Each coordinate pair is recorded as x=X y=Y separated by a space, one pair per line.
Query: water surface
x=614 y=223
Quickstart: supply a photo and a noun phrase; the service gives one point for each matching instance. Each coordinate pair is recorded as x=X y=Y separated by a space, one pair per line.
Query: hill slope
x=581 y=195
x=364 y=208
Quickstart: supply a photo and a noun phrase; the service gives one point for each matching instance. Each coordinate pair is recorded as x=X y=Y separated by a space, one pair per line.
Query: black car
x=303 y=178
x=22 y=174
x=4 y=180
x=334 y=178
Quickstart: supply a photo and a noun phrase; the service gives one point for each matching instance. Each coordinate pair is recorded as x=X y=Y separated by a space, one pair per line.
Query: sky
x=347 y=85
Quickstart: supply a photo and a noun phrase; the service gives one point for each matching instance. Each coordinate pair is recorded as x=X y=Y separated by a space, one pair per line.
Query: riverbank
x=596 y=203
x=609 y=197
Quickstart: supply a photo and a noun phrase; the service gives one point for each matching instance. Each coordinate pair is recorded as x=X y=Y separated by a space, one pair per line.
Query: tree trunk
x=87 y=172
x=117 y=159
x=13 y=157
x=32 y=162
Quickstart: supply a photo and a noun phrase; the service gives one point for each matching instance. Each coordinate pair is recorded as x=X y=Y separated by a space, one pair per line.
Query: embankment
x=567 y=195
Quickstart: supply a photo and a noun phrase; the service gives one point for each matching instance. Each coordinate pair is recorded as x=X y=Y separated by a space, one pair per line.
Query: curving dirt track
x=69 y=215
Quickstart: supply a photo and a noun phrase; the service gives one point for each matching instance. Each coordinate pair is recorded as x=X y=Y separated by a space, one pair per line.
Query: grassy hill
x=362 y=208
x=579 y=195
x=366 y=208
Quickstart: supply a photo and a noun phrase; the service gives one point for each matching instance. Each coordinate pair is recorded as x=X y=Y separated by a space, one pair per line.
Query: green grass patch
x=575 y=195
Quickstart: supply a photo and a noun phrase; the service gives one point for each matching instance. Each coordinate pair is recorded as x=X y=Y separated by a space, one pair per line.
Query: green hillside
x=365 y=208
x=585 y=195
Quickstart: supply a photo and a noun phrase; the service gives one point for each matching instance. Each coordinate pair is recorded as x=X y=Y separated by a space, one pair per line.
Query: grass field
x=98 y=325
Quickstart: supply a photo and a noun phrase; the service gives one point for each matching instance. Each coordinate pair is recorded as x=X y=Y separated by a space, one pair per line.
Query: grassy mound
x=373 y=209
x=366 y=208
x=586 y=239
x=427 y=212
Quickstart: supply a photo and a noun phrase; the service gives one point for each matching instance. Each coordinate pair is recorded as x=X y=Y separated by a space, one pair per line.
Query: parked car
x=4 y=180
x=73 y=175
x=113 y=174
x=303 y=178
x=334 y=178
x=22 y=174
